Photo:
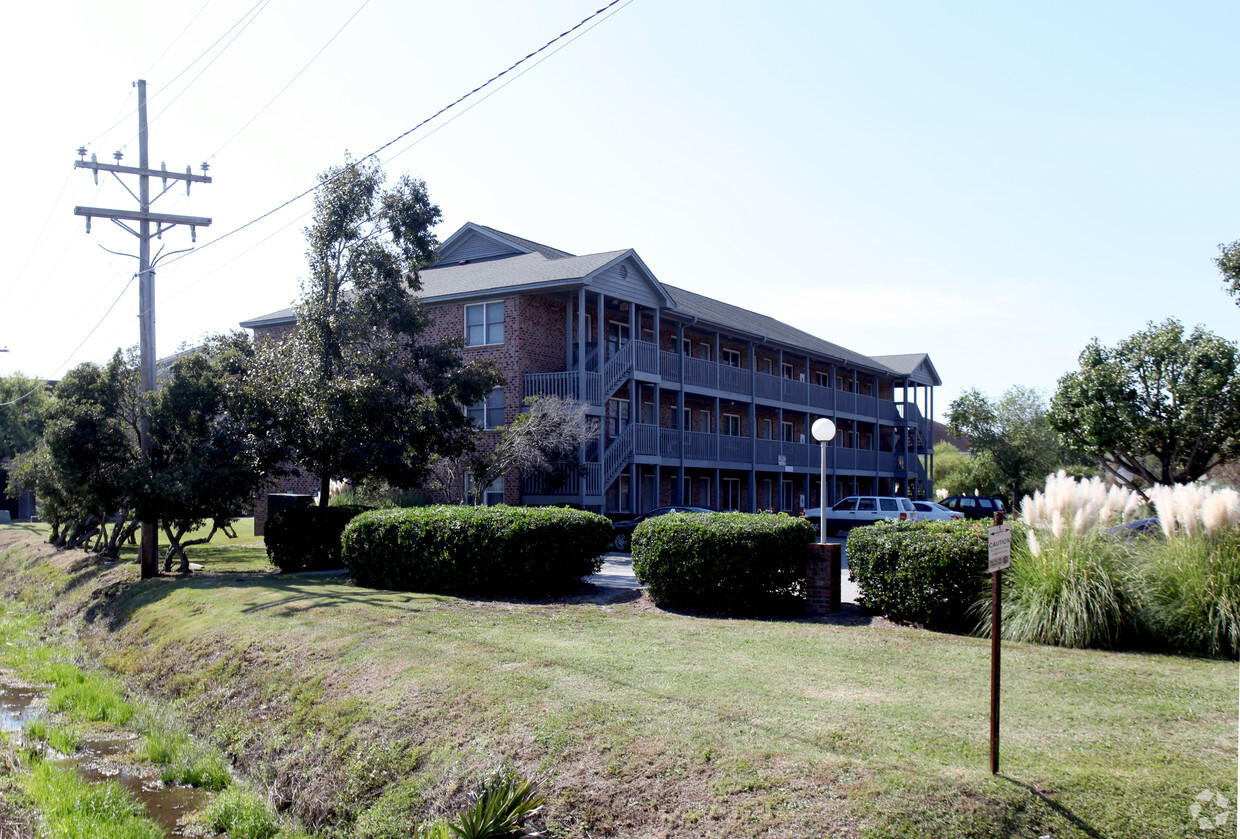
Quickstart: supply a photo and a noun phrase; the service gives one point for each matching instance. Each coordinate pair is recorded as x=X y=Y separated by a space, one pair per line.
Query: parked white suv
x=858 y=510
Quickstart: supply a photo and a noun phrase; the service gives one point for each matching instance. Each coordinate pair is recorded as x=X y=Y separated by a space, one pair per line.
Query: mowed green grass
x=727 y=726
x=648 y=723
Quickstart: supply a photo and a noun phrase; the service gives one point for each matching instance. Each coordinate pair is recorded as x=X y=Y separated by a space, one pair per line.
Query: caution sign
x=1000 y=547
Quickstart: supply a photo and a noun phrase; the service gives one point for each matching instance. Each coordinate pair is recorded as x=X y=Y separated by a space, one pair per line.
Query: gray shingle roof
x=725 y=315
x=530 y=269
x=545 y=250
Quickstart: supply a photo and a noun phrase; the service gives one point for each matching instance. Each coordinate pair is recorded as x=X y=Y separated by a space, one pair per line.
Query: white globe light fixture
x=824 y=431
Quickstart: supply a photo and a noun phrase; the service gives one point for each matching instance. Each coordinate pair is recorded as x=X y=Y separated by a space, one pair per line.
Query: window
x=787 y=371
x=704 y=416
x=624 y=494
x=687 y=420
x=731 y=358
x=731 y=425
x=888 y=505
x=617 y=335
x=768 y=499
x=617 y=417
x=865 y=505
x=686 y=347
x=484 y=324
x=787 y=431
x=730 y=492
x=489 y=413
x=865 y=387
x=822 y=379
x=766 y=366
x=704 y=351
x=491 y=496
x=846 y=505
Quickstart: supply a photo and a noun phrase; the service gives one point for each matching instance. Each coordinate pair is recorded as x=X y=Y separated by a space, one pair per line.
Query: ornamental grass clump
x=1074 y=582
x=1189 y=592
x=1067 y=583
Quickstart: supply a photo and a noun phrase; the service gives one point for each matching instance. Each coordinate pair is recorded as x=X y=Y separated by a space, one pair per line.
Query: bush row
x=476 y=550
x=733 y=563
x=929 y=573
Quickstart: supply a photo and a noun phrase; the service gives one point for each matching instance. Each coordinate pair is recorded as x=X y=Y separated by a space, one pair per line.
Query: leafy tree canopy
x=1159 y=407
x=21 y=423
x=1014 y=433
x=357 y=392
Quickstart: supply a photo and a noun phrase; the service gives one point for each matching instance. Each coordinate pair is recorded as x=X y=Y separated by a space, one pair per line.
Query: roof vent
x=624 y=271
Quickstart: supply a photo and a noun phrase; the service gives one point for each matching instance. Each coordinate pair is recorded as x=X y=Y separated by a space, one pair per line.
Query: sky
x=991 y=184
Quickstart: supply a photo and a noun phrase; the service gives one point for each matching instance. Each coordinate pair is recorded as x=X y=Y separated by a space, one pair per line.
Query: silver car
x=859 y=510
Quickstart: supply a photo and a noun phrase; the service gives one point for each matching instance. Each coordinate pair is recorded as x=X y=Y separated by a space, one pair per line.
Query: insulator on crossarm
x=189 y=171
x=88 y=224
x=94 y=168
x=82 y=153
x=193 y=233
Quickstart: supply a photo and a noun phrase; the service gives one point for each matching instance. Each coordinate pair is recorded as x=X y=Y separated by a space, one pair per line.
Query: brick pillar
x=822 y=579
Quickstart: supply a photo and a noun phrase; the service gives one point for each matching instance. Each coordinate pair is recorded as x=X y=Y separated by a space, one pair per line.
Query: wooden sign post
x=1000 y=558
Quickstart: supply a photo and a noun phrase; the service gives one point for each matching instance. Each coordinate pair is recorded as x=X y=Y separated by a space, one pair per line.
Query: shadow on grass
x=1082 y=825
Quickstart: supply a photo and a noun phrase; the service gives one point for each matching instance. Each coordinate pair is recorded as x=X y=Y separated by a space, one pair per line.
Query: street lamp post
x=823 y=431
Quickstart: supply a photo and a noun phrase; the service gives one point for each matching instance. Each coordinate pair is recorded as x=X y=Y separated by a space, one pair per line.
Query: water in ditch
x=95 y=761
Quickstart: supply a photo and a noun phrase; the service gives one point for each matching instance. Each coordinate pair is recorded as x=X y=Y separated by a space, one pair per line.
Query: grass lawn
x=351 y=704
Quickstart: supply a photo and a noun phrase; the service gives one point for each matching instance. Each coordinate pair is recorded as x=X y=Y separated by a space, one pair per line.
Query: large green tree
x=1014 y=433
x=208 y=453
x=358 y=391
x=1161 y=406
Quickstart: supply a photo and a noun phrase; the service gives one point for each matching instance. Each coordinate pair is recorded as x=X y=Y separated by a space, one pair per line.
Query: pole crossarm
x=137 y=170
x=133 y=215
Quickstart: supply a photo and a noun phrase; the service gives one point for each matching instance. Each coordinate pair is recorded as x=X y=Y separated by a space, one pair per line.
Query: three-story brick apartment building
x=700 y=402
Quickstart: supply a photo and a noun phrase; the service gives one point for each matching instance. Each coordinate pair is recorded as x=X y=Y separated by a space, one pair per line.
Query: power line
x=224 y=49
x=180 y=34
x=403 y=135
x=290 y=81
x=79 y=346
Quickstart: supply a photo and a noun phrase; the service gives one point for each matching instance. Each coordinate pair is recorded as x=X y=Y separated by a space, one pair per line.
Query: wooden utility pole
x=147 y=553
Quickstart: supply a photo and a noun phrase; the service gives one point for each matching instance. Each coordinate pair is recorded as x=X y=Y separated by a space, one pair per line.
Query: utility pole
x=147 y=553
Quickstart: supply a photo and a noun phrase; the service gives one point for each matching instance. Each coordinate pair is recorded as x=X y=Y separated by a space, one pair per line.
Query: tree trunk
x=325 y=486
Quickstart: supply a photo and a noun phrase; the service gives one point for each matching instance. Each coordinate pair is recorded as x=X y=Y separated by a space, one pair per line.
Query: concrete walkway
x=617 y=573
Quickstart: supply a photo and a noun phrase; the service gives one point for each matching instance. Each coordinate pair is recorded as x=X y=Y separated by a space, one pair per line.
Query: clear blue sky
x=991 y=184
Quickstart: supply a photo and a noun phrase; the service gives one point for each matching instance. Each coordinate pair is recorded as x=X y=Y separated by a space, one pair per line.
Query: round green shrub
x=928 y=573
x=523 y=551
x=308 y=538
x=730 y=563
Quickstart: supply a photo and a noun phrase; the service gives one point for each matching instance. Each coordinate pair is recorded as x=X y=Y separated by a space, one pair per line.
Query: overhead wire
x=180 y=35
x=404 y=134
x=290 y=81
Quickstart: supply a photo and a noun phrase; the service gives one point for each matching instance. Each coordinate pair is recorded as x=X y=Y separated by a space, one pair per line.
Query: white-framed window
x=704 y=351
x=786 y=368
x=489 y=413
x=686 y=347
x=730 y=494
x=484 y=324
x=768 y=366
x=618 y=334
x=730 y=358
x=492 y=495
x=787 y=431
x=822 y=379
x=731 y=425
x=767 y=433
x=687 y=420
x=617 y=417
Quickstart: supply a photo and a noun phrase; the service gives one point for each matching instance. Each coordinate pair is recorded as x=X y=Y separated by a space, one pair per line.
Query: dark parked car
x=975 y=506
x=622 y=531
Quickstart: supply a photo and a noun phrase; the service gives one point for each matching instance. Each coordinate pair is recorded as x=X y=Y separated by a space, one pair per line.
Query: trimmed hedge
x=730 y=563
x=308 y=538
x=929 y=573
x=521 y=551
